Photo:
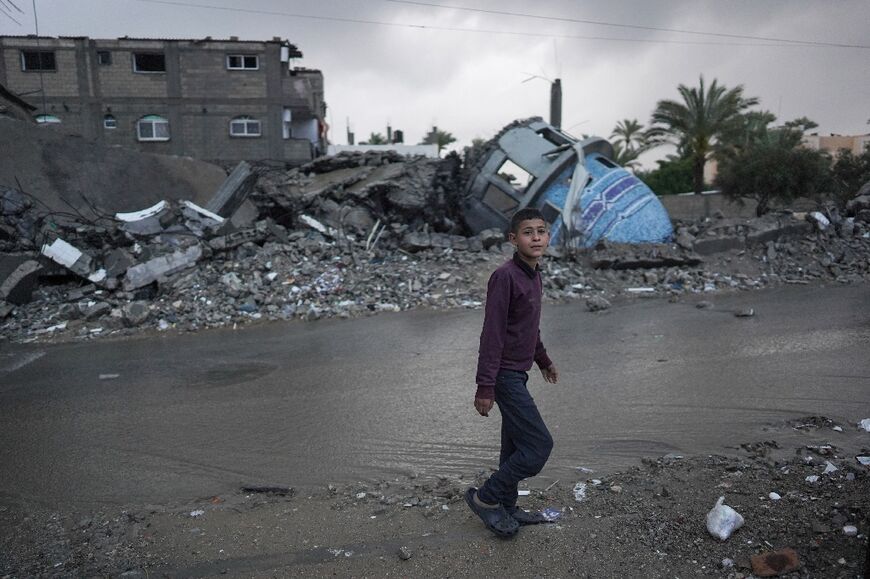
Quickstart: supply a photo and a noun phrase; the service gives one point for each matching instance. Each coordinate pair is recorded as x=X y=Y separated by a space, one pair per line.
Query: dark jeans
x=525 y=441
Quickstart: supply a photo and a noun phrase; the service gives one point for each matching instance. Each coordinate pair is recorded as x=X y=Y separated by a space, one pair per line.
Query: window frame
x=243 y=56
x=247 y=121
x=107 y=54
x=153 y=121
x=40 y=54
x=147 y=53
x=110 y=118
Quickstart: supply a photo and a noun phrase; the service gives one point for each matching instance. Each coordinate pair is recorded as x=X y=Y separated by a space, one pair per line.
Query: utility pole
x=556 y=103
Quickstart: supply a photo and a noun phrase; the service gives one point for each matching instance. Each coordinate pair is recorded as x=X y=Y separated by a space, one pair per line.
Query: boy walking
x=509 y=343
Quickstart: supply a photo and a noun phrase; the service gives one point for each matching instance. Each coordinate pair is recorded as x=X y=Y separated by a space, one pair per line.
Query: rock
x=117 y=261
x=685 y=240
x=159 y=267
x=135 y=313
x=745 y=313
x=490 y=237
x=775 y=563
x=416 y=241
x=704 y=305
x=95 y=311
x=404 y=553
x=718 y=245
x=597 y=303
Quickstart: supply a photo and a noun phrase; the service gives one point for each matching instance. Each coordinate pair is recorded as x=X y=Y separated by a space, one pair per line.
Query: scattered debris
x=272 y=490
x=745 y=313
x=774 y=496
x=723 y=520
x=775 y=563
x=404 y=553
x=850 y=530
x=580 y=491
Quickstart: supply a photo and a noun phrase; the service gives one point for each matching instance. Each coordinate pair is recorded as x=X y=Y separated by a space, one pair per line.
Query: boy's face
x=531 y=239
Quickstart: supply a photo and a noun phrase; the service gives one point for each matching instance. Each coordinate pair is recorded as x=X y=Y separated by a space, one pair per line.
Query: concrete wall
x=689 y=207
x=197 y=94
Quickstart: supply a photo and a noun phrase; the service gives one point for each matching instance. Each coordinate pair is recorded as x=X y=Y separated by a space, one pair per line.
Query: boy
x=509 y=343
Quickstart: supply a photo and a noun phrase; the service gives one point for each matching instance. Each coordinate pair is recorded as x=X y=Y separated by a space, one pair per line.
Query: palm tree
x=625 y=156
x=698 y=123
x=630 y=133
x=436 y=137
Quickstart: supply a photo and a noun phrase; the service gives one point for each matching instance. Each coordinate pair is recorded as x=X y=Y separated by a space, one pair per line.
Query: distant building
x=210 y=99
x=833 y=144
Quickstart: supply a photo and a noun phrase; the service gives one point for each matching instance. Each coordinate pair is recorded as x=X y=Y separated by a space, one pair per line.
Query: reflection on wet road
x=310 y=403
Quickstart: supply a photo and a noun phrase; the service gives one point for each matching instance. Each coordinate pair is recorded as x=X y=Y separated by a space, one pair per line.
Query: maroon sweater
x=510 y=338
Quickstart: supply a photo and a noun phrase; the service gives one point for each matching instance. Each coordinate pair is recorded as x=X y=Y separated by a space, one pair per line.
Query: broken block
x=153 y=270
x=18 y=286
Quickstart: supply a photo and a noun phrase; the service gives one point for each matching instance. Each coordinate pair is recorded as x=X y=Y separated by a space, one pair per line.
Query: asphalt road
x=332 y=401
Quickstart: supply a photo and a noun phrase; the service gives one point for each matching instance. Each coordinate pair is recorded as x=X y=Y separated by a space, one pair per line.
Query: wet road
x=331 y=401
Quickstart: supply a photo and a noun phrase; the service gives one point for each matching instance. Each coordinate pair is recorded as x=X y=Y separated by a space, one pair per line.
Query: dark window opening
x=149 y=62
x=499 y=200
x=607 y=162
x=243 y=62
x=550 y=212
x=104 y=57
x=38 y=60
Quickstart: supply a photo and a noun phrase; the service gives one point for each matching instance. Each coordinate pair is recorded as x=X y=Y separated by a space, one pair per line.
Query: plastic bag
x=722 y=520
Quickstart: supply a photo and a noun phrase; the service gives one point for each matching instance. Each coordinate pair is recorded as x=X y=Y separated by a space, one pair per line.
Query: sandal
x=526 y=517
x=496 y=520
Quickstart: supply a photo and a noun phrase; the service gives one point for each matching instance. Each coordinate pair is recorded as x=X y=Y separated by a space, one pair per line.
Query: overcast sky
x=418 y=64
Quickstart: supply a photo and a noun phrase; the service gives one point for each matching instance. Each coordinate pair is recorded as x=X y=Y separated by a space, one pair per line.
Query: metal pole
x=39 y=55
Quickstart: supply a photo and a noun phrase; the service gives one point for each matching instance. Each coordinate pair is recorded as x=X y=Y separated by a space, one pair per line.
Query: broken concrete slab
x=647 y=256
x=17 y=288
x=415 y=241
x=144 y=222
x=233 y=192
x=231 y=240
x=73 y=259
x=713 y=245
x=117 y=261
x=160 y=267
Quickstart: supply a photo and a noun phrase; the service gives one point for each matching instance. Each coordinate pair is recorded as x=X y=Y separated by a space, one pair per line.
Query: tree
x=697 y=124
x=629 y=141
x=376 y=139
x=848 y=174
x=437 y=137
x=775 y=168
x=672 y=176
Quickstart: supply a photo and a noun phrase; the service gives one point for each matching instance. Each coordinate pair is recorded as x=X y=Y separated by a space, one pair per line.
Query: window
x=243 y=62
x=104 y=57
x=47 y=119
x=109 y=122
x=244 y=127
x=149 y=62
x=152 y=128
x=38 y=60
x=518 y=177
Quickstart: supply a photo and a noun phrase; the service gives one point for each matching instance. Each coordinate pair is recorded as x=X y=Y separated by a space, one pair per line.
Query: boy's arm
x=493 y=334
x=548 y=369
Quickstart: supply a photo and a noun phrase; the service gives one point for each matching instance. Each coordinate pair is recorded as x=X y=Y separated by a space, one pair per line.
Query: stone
x=491 y=237
x=416 y=241
x=117 y=261
x=718 y=244
x=95 y=311
x=135 y=313
x=685 y=240
x=745 y=313
x=404 y=553
x=597 y=303
x=775 y=563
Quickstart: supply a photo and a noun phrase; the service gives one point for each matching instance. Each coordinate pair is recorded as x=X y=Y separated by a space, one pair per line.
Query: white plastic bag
x=722 y=520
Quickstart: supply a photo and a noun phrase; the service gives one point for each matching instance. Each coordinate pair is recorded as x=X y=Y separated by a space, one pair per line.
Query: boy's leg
x=523 y=425
x=507 y=449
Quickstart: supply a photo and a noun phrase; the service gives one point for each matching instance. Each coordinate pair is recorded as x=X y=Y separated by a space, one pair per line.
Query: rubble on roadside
x=354 y=235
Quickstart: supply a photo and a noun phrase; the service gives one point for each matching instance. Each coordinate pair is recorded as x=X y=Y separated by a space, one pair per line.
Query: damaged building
x=211 y=99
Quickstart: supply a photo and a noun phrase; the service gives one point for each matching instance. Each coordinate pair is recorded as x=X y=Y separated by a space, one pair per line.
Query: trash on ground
x=109 y=376
x=865 y=424
x=774 y=496
x=723 y=520
x=551 y=514
x=197 y=513
x=404 y=553
x=523 y=493
x=830 y=468
x=579 y=491
x=865 y=460
x=850 y=530
x=813 y=478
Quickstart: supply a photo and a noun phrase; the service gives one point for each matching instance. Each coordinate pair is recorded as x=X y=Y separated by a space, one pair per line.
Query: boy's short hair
x=524 y=214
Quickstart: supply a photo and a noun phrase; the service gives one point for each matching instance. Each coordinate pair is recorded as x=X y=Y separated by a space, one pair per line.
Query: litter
x=850 y=530
x=813 y=478
x=523 y=493
x=830 y=468
x=774 y=496
x=579 y=491
x=143 y=214
x=722 y=520
x=865 y=460
x=865 y=424
x=551 y=514
x=197 y=513
x=640 y=290
x=109 y=376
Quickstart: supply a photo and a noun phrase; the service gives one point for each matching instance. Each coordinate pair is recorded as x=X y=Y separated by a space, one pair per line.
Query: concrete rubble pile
x=353 y=235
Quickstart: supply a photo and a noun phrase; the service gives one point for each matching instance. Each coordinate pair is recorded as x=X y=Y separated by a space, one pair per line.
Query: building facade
x=833 y=144
x=209 y=99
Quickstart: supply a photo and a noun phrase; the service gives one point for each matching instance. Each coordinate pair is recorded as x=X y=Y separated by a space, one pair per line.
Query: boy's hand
x=550 y=374
x=483 y=405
